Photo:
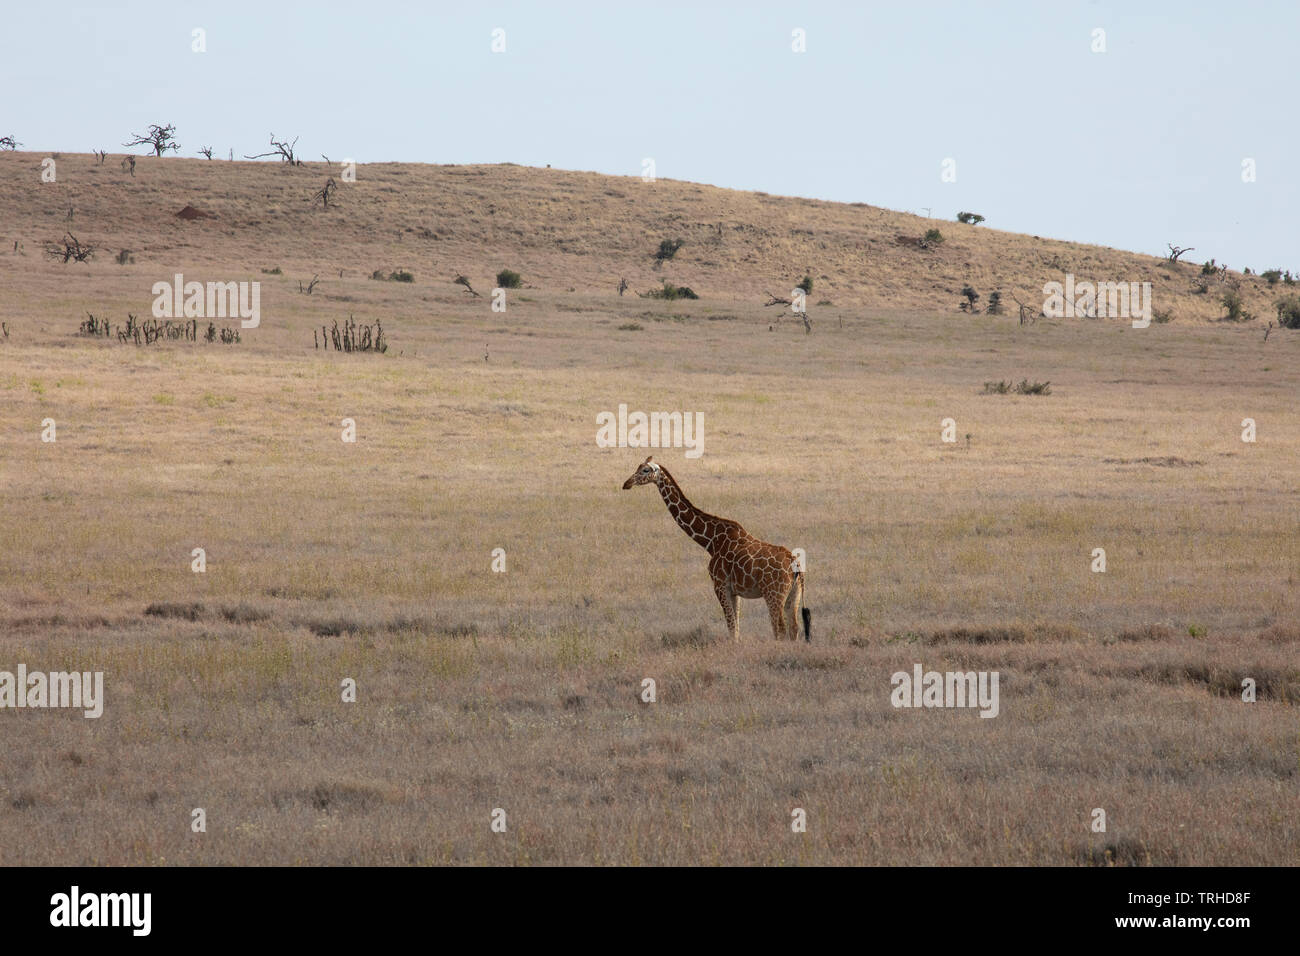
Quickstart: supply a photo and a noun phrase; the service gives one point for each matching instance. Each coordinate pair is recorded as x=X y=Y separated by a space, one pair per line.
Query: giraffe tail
x=805 y=613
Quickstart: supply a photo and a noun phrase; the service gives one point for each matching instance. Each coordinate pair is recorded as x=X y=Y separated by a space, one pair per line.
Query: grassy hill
x=561 y=230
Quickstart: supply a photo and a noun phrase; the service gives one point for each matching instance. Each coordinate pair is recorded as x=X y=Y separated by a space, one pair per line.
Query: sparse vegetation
x=352 y=336
x=670 y=292
x=70 y=249
x=158 y=138
x=1235 y=306
x=1023 y=387
x=970 y=218
x=932 y=239
x=8 y=142
x=1288 y=311
x=506 y=279
x=282 y=148
x=667 y=250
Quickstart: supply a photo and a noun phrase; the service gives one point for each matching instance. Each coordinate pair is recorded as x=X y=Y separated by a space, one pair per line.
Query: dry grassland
x=521 y=690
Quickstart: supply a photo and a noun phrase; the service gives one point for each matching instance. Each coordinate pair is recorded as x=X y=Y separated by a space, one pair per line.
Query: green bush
x=1272 y=275
x=509 y=280
x=1235 y=306
x=970 y=218
x=671 y=292
x=933 y=237
x=1288 y=311
x=806 y=285
x=668 y=248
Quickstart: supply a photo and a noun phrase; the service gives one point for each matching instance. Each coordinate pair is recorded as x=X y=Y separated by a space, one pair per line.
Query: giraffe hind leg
x=776 y=608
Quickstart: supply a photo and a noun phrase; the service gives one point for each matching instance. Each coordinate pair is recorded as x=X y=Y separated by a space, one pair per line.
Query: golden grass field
x=476 y=430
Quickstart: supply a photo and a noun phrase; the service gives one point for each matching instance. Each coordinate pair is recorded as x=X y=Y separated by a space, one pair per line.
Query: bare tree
x=100 y=155
x=461 y=280
x=8 y=142
x=69 y=250
x=1175 y=251
x=322 y=195
x=283 y=149
x=159 y=139
x=622 y=286
x=205 y=151
x=310 y=285
x=1027 y=316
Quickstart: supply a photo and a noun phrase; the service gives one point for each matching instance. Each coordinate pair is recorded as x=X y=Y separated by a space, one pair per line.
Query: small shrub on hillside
x=1288 y=311
x=806 y=285
x=995 y=304
x=997 y=388
x=932 y=238
x=1162 y=316
x=970 y=218
x=272 y=272
x=1235 y=306
x=1209 y=268
x=631 y=327
x=971 y=297
x=668 y=248
x=1272 y=276
x=506 y=279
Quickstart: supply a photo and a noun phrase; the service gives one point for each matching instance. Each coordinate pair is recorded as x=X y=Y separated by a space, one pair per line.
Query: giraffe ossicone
x=740 y=565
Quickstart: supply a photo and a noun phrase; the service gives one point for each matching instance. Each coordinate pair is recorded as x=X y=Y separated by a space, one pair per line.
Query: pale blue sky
x=1134 y=147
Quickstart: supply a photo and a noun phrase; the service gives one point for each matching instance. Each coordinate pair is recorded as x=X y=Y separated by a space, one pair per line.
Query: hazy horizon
x=1134 y=147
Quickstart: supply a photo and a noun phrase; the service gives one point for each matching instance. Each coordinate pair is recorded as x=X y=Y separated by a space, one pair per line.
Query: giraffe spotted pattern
x=740 y=565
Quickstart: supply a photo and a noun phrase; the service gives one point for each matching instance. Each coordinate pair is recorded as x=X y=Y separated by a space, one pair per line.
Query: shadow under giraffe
x=740 y=565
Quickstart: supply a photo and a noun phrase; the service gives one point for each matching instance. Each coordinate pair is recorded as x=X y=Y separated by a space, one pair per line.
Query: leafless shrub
x=352 y=336
x=69 y=249
x=281 y=148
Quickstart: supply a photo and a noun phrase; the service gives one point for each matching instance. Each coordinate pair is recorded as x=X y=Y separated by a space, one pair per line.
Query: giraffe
x=740 y=565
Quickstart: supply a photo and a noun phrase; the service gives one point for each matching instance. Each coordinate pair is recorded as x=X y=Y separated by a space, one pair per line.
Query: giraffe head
x=647 y=473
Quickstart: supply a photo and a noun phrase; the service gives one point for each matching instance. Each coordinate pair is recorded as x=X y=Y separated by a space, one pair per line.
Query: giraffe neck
x=699 y=527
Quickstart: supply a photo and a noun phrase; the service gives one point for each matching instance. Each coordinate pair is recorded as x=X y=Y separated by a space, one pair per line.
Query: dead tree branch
x=70 y=250
x=322 y=195
x=283 y=149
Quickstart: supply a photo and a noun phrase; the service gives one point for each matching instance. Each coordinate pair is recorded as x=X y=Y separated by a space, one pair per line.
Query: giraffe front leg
x=730 y=609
